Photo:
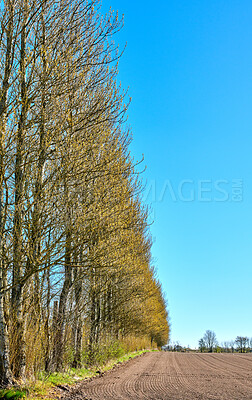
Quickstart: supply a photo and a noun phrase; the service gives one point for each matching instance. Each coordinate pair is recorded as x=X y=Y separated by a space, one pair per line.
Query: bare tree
x=202 y=345
x=242 y=343
x=210 y=340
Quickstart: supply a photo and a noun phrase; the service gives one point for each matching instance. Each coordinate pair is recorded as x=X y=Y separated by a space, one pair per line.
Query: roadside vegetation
x=51 y=386
x=77 y=282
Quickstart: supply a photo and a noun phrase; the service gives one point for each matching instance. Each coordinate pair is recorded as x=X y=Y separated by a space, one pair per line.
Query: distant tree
x=202 y=345
x=178 y=347
x=242 y=343
x=225 y=347
x=232 y=346
x=210 y=340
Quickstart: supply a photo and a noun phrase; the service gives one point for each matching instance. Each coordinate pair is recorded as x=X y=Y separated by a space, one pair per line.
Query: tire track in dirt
x=227 y=365
x=196 y=377
x=242 y=372
x=172 y=376
x=209 y=372
x=186 y=382
x=227 y=373
x=235 y=362
x=191 y=380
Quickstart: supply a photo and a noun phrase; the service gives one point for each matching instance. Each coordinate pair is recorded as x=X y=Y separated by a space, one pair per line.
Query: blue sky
x=188 y=66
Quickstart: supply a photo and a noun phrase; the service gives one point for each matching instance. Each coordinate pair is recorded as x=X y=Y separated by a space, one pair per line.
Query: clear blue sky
x=188 y=65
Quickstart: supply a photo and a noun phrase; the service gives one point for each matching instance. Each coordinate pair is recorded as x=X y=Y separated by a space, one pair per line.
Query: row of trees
x=75 y=250
x=210 y=344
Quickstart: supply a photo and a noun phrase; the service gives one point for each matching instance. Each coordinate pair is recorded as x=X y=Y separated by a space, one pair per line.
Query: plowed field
x=174 y=376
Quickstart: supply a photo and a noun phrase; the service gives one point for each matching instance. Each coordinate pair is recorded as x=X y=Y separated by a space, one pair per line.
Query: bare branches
x=74 y=239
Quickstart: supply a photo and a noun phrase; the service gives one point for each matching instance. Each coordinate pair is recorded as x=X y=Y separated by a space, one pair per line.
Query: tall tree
x=210 y=340
x=75 y=249
x=242 y=343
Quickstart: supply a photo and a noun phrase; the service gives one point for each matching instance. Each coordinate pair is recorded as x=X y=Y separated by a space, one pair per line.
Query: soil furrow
x=173 y=376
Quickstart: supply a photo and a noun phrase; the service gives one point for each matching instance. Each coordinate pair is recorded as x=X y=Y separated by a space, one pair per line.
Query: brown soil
x=173 y=376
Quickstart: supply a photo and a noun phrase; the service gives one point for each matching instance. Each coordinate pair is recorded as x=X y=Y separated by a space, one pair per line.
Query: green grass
x=44 y=387
x=12 y=394
x=110 y=364
x=68 y=378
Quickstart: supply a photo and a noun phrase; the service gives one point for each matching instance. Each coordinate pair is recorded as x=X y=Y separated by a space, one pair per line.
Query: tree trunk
x=5 y=371
x=36 y=230
x=18 y=341
x=77 y=325
x=59 y=345
x=47 y=318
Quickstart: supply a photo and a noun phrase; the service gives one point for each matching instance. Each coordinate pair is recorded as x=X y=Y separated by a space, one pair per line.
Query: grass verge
x=45 y=388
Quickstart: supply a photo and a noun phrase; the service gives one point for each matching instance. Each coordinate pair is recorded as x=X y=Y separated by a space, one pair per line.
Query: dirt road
x=174 y=376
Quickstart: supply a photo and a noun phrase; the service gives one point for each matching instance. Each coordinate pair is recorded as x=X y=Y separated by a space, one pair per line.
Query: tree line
x=76 y=273
x=209 y=343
